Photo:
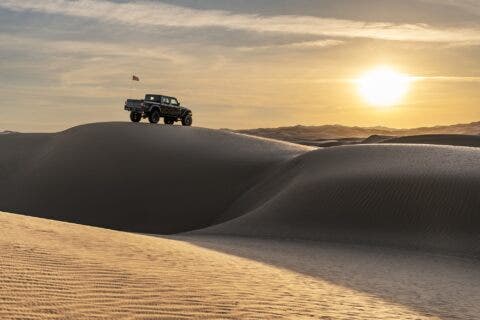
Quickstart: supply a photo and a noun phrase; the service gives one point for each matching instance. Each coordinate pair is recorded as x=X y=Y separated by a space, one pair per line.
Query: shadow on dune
x=170 y=179
x=434 y=285
x=133 y=177
x=416 y=196
x=438 y=139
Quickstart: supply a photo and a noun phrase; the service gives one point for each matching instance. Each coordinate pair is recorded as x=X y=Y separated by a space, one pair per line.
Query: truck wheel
x=154 y=117
x=187 y=120
x=135 y=116
x=168 y=121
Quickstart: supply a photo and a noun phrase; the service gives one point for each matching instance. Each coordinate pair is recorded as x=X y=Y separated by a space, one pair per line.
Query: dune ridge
x=161 y=179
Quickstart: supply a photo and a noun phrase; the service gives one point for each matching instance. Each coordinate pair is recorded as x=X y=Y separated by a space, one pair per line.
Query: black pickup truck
x=155 y=106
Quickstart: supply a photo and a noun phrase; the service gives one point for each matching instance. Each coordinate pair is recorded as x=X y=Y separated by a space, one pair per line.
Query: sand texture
x=55 y=270
x=419 y=196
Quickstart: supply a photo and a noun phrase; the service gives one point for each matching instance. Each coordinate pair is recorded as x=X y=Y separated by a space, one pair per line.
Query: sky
x=237 y=63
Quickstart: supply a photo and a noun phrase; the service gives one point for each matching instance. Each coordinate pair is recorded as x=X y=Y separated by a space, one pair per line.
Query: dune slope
x=419 y=196
x=157 y=179
x=439 y=139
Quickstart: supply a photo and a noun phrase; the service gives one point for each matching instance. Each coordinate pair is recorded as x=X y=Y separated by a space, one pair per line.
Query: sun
x=383 y=86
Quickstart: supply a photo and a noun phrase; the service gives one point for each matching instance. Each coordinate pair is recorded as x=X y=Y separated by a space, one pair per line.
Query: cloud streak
x=470 y=6
x=297 y=45
x=164 y=15
x=94 y=49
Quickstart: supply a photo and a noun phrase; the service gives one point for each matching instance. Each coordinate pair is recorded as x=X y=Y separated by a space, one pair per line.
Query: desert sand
x=263 y=229
x=420 y=196
x=133 y=177
x=55 y=270
x=439 y=139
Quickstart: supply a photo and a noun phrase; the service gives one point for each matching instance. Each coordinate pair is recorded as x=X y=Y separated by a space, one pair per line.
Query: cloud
x=94 y=49
x=165 y=15
x=82 y=68
x=470 y=6
x=296 y=45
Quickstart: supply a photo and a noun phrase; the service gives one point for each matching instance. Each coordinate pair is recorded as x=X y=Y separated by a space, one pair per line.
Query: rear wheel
x=187 y=120
x=154 y=117
x=168 y=120
x=135 y=116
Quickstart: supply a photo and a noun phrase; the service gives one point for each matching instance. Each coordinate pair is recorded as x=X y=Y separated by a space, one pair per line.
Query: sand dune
x=162 y=179
x=377 y=139
x=438 y=139
x=313 y=134
x=408 y=195
x=156 y=179
x=55 y=270
x=333 y=136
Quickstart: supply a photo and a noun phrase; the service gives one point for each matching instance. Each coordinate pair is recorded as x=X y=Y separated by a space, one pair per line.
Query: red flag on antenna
x=135 y=78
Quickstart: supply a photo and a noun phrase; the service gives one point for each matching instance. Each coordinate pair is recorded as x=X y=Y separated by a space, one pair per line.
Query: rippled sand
x=55 y=270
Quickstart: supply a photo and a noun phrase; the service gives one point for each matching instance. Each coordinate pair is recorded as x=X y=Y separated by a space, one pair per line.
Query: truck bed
x=134 y=105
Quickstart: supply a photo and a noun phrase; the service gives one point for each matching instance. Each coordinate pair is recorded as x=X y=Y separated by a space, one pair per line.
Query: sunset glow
x=241 y=64
x=383 y=86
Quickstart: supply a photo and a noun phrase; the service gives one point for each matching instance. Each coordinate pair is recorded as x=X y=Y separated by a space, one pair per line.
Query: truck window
x=165 y=100
x=174 y=102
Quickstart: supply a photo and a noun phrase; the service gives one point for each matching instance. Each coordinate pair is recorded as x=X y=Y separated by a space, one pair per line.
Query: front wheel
x=135 y=116
x=154 y=117
x=187 y=120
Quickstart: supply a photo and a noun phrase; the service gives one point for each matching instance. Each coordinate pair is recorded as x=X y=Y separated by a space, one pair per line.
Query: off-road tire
x=154 y=117
x=168 y=121
x=187 y=120
x=135 y=116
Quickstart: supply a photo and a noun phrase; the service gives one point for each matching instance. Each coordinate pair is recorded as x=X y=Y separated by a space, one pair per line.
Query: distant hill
x=332 y=135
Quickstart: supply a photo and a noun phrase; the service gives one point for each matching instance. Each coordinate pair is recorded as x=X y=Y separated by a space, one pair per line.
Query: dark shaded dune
x=145 y=178
x=414 y=196
x=377 y=139
x=439 y=139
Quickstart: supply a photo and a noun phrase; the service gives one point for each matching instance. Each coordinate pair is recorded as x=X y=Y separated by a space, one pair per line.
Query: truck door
x=175 y=107
x=166 y=109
